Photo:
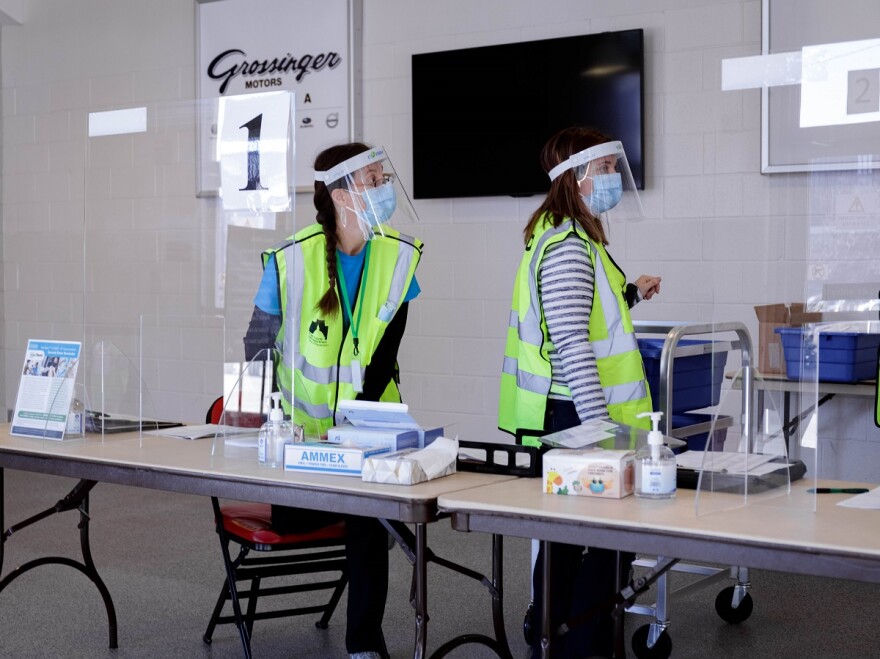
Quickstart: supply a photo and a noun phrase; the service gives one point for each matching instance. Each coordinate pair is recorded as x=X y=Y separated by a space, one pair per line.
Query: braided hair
x=328 y=305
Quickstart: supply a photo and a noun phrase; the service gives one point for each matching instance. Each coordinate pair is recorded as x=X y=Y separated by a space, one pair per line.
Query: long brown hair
x=328 y=305
x=563 y=201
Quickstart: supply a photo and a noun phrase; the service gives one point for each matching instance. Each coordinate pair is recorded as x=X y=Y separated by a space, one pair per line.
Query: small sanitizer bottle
x=274 y=435
x=655 y=464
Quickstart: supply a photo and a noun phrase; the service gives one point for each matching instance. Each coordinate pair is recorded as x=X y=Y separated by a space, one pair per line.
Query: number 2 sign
x=255 y=149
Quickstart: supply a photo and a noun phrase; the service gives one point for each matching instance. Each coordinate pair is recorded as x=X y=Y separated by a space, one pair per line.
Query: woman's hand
x=648 y=286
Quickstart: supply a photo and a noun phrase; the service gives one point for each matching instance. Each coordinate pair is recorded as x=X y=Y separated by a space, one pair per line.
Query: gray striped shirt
x=565 y=286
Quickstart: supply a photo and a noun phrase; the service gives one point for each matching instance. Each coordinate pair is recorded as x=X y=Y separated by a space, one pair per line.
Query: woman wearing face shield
x=571 y=353
x=333 y=304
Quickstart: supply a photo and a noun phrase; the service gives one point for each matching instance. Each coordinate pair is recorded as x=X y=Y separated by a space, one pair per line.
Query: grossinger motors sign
x=253 y=46
x=266 y=73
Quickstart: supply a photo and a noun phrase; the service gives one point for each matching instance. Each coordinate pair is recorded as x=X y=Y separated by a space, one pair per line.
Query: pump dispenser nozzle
x=276 y=414
x=655 y=437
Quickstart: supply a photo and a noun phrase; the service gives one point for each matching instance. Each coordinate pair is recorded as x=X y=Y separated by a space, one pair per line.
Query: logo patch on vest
x=318 y=332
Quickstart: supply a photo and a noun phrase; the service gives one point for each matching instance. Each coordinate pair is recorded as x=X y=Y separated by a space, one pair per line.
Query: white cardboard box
x=328 y=458
x=590 y=472
x=393 y=438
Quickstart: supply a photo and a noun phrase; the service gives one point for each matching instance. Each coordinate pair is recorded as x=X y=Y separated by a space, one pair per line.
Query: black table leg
x=421 y=577
x=76 y=499
x=546 y=632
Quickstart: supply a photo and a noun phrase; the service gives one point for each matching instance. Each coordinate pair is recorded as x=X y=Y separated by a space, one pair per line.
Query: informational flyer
x=46 y=388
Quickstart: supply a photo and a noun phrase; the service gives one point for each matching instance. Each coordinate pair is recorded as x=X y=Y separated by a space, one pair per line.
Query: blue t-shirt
x=267 y=300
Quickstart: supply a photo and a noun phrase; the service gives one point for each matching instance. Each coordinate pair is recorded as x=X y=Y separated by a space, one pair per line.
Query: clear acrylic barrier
x=244 y=407
x=753 y=466
x=835 y=354
x=117 y=399
x=110 y=398
x=171 y=243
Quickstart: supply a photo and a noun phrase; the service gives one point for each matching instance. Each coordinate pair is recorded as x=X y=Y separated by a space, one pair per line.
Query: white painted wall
x=722 y=236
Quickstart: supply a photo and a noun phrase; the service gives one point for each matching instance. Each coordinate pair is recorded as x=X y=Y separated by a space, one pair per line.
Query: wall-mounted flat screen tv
x=482 y=115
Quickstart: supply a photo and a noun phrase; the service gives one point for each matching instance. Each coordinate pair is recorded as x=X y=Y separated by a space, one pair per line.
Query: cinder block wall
x=722 y=236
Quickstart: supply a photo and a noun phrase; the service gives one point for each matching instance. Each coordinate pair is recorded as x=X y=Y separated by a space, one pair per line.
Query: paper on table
x=591 y=432
x=731 y=462
x=202 y=431
x=868 y=500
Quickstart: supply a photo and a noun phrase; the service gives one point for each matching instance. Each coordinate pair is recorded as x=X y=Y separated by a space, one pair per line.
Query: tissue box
x=394 y=439
x=770 y=316
x=412 y=466
x=329 y=458
x=397 y=469
x=590 y=472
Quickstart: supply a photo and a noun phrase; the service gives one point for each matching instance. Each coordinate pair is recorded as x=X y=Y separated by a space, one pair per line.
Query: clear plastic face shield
x=367 y=194
x=605 y=181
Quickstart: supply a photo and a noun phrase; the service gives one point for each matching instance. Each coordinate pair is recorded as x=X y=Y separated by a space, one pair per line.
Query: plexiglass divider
x=179 y=201
x=755 y=468
x=244 y=407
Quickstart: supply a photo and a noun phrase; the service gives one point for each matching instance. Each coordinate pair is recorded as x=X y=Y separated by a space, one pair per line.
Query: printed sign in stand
x=45 y=389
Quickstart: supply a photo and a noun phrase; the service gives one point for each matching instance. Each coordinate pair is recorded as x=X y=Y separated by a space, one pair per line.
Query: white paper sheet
x=868 y=500
x=591 y=432
x=204 y=431
x=730 y=462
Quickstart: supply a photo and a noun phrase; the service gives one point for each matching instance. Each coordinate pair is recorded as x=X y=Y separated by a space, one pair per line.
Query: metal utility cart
x=733 y=604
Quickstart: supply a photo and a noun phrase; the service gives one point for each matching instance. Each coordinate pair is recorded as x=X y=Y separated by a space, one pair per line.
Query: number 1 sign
x=302 y=46
x=255 y=151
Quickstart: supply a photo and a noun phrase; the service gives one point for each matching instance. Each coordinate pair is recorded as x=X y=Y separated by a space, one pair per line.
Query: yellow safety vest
x=317 y=374
x=526 y=374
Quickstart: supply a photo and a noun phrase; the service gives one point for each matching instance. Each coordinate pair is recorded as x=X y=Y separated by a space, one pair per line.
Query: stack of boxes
x=771 y=358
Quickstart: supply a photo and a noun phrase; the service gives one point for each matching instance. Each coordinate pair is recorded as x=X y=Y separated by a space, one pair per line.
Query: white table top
x=206 y=467
x=784 y=526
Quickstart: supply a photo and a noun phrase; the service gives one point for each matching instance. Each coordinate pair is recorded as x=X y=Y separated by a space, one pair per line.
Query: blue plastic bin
x=696 y=379
x=843 y=356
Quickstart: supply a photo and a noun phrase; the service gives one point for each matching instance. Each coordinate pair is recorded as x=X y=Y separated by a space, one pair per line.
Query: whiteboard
x=253 y=46
x=851 y=141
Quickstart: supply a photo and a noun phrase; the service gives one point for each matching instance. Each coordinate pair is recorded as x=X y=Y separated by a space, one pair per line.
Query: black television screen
x=482 y=115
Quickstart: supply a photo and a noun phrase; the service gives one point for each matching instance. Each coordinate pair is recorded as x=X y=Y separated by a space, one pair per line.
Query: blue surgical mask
x=606 y=194
x=380 y=203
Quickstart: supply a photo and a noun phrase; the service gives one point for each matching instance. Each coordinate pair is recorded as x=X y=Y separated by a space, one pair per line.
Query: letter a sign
x=255 y=151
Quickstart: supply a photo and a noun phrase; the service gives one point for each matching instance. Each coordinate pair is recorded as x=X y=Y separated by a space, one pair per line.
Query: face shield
x=605 y=181
x=368 y=194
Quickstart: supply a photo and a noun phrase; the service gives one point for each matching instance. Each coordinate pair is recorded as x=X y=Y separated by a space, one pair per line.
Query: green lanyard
x=355 y=324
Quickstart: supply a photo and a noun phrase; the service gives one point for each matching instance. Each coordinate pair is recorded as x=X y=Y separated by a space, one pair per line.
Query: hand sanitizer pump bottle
x=655 y=464
x=274 y=434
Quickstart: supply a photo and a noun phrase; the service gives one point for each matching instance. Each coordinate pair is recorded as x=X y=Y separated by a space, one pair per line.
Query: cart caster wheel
x=662 y=648
x=530 y=633
x=725 y=610
x=322 y=625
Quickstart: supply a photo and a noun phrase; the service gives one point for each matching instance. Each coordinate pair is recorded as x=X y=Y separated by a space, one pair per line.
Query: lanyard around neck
x=355 y=323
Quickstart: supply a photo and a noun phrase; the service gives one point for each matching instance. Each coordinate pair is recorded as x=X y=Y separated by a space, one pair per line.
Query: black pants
x=366 y=553
x=579 y=580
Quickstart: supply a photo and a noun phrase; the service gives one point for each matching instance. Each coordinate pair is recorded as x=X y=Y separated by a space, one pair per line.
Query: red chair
x=249 y=525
